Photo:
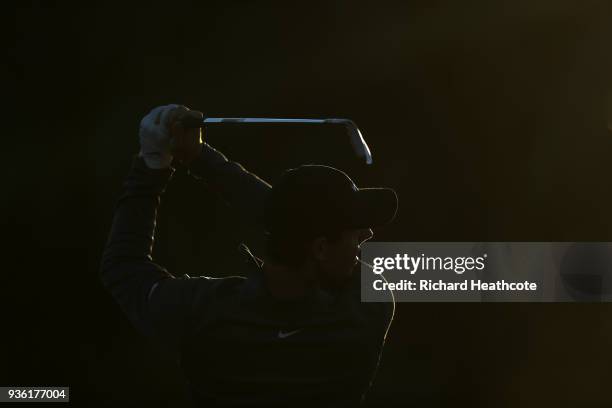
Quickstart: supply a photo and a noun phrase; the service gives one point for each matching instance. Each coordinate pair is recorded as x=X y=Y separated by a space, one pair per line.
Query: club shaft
x=193 y=123
x=261 y=120
x=359 y=144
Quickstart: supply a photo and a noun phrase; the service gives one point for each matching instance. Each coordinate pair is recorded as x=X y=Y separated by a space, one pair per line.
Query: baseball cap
x=313 y=199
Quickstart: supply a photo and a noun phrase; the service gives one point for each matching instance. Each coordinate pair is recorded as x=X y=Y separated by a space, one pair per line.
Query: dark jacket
x=238 y=345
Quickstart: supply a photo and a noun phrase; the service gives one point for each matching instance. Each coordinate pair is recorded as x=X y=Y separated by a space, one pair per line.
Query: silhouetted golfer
x=294 y=331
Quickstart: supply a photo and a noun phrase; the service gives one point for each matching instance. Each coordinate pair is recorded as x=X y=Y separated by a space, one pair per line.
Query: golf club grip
x=189 y=122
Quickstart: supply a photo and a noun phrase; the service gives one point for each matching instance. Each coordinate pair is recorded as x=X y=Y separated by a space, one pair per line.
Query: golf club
x=359 y=144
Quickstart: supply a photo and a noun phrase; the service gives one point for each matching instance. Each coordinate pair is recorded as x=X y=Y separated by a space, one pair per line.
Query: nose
x=365 y=234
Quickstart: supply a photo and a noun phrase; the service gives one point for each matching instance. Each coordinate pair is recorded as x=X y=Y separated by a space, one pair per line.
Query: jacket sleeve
x=242 y=190
x=154 y=301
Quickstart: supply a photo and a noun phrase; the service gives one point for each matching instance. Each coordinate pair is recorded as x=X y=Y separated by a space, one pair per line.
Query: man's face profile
x=337 y=258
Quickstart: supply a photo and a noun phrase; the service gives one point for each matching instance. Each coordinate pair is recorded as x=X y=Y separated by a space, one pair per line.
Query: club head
x=357 y=141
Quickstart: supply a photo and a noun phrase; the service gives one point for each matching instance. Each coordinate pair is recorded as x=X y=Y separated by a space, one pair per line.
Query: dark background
x=488 y=118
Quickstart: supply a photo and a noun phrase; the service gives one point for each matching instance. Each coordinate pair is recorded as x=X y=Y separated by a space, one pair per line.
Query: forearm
x=242 y=190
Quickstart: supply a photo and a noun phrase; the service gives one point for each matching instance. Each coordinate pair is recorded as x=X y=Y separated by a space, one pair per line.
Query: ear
x=320 y=248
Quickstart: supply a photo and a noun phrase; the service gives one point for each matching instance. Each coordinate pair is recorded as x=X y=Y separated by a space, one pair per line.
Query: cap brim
x=374 y=207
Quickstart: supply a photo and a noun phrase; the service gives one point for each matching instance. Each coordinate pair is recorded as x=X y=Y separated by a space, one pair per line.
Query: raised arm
x=242 y=190
x=154 y=301
x=127 y=269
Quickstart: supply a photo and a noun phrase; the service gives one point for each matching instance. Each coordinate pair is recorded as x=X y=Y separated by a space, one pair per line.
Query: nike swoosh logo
x=284 y=335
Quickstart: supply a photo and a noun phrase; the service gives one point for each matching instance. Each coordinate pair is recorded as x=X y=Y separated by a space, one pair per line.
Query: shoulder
x=215 y=287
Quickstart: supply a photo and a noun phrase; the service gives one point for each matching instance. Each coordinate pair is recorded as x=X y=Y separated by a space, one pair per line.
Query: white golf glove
x=154 y=136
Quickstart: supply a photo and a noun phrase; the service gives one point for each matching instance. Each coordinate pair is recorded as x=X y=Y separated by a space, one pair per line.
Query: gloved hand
x=154 y=137
x=162 y=136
